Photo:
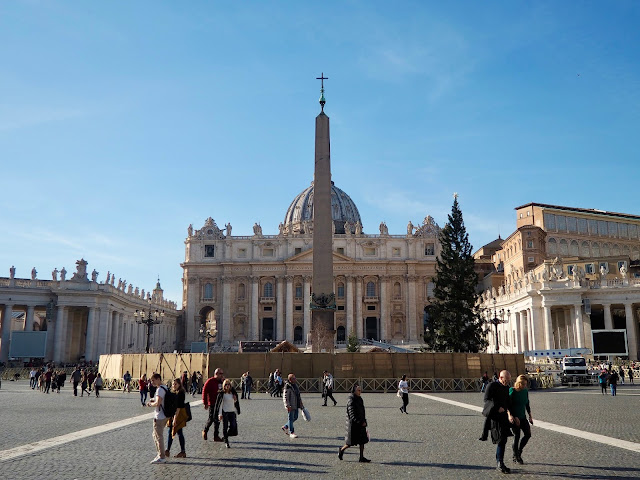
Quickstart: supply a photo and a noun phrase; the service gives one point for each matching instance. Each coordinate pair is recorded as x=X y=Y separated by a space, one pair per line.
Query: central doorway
x=371 y=328
x=267 y=329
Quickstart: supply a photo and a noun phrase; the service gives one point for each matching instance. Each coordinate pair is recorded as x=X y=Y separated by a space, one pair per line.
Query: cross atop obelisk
x=322 y=78
x=323 y=303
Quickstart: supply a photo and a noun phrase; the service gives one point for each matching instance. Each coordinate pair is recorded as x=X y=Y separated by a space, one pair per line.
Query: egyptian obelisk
x=322 y=297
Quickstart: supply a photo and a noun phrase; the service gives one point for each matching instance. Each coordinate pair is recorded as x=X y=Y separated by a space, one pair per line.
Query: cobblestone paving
x=434 y=441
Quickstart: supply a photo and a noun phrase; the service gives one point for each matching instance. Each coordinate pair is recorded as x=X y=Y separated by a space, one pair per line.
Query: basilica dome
x=299 y=217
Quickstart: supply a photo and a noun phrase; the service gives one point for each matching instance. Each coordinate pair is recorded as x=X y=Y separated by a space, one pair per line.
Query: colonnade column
x=226 y=308
x=608 y=321
x=632 y=332
x=306 y=298
x=279 y=333
x=413 y=313
x=6 y=333
x=383 y=307
x=548 y=330
x=517 y=319
x=524 y=337
x=58 y=345
x=89 y=350
x=358 y=299
x=289 y=309
x=28 y=323
x=349 y=306
x=578 y=326
x=255 y=321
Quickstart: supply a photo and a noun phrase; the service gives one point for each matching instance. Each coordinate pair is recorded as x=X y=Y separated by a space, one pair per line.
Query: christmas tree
x=454 y=322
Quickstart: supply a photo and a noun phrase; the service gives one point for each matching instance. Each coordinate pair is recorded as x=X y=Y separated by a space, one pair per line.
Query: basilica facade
x=258 y=287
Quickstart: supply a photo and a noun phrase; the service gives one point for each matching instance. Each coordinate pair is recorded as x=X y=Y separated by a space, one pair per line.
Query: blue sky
x=123 y=122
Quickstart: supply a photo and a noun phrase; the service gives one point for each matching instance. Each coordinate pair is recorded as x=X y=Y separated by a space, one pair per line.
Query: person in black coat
x=497 y=408
x=356 y=424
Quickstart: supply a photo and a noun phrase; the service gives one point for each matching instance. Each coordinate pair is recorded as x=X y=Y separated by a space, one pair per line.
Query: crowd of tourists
x=49 y=379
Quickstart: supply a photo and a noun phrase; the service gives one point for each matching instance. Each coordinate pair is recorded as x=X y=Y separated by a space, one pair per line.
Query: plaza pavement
x=436 y=440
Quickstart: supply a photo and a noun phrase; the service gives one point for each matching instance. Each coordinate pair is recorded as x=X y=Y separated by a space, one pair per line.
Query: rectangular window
x=209 y=250
x=562 y=223
x=633 y=231
x=582 y=225
x=341 y=291
x=267 y=252
x=593 y=227
x=570 y=269
x=549 y=221
x=268 y=309
x=572 y=224
x=340 y=307
x=622 y=264
x=622 y=230
x=298 y=291
x=298 y=308
x=602 y=228
x=590 y=268
x=429 y=249
x=371 y=307
x=395 y=252
x=297 y=250
x=532 y=259
x=613 y=229
x=605 y=265
x=242 y=253
x=369 y=251
x=340 y=250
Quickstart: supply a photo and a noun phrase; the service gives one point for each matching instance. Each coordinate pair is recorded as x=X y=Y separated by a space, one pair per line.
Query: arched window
x=552 y=246
x=626 y=250
x=341 y=335
x=208 y=291
x=573 y=249
x=341 y=290
x=371 y=289
x=595 y=248
x=268 y=290
x=564 y=247
x=297 y=334
x=615 y=250
x=241 y=291
x=585 y=249
x=397 y=291
x=606 y=250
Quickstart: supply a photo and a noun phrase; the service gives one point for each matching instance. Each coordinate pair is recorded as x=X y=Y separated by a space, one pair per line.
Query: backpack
x=170 y=402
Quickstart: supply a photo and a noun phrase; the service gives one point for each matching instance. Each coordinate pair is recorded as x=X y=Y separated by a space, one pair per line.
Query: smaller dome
x=299 y=217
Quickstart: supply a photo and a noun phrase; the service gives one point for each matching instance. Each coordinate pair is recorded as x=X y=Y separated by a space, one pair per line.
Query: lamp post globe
x=149 y=318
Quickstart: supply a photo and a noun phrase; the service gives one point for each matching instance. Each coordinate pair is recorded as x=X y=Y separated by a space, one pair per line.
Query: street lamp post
x=208 y=332
x=149 y=319
x=495 y=321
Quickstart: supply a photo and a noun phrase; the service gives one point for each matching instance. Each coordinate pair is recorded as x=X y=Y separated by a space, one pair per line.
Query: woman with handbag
x=356 y=424
x=226 y=403
x=178 y=421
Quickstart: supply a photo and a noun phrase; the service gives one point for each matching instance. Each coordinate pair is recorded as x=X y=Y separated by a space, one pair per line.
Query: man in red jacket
x=209 y=394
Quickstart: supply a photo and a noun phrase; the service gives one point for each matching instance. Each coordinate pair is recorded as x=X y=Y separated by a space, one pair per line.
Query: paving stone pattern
x=435 y=440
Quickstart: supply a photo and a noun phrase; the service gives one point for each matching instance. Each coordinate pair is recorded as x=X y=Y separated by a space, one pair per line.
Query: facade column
x=6 y=333
x=103 y=333
x=517 y=323
x=28 y=323
x=608 y=321
x=578 y=325
x=279 y=333
x=115 y=345
x=306 y=298
x=255 y=320
x=524 y=337
x=109 y=332
x=586 y=324
x=349 y=305
x=89 y=352
x=384 y=307
x=358 y=299
x=632 y=332
x=289 y=309
x=226 y=309
x=58 y=344
x=412 y=334
x=548 y=329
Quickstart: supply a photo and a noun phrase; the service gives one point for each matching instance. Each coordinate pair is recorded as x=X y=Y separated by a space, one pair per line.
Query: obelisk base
x=322 y=332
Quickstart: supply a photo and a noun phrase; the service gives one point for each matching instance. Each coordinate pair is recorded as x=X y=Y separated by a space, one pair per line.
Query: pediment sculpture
x=429 y=228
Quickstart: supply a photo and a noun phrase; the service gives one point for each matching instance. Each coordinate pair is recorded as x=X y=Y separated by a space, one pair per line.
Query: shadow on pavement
x=446 y=466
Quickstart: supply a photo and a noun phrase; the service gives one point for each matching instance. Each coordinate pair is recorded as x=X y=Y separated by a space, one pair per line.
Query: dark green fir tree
x=454 y=323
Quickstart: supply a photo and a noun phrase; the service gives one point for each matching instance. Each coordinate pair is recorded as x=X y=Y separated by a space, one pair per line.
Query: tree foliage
x=454 y=322
x=352 y=342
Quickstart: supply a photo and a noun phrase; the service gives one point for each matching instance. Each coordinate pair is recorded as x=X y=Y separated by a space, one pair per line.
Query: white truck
x=574 y=370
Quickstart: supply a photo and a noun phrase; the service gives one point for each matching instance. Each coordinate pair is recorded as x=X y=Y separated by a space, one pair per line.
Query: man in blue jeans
x=292 y=402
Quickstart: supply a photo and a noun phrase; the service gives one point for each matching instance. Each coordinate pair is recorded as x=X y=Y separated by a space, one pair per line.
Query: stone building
x=83 y=318
x=258 y=287
x=564 y=272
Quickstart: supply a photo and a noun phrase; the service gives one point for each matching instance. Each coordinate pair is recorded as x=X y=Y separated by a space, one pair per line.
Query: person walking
x=497 y=407
x=178 y=421
x=48 y=375
x=403 y=392
x=184 y=380
x=271 y=385
x=152 y=388
x=602 y=380
x=127 y=382
x=209 y=395
x=248 y=385
x=98 y=384
x=194 y=384
x=90 y=378
x=277 y=378
x=621 y=375
x=243 y=378
x=32 y=378
x=292 y=402
x=143 y=386
x=630 y=375
x=485 y=381
x=76 y=376
x=520 y=403
x=84 y=384
x=613 y=382
x=327 y=381
x=159 y=418
x=356 y=424
x=226 y=403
